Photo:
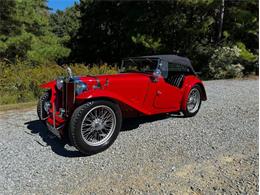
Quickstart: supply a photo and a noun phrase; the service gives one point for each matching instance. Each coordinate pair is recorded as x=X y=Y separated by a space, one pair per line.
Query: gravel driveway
x=214 y=152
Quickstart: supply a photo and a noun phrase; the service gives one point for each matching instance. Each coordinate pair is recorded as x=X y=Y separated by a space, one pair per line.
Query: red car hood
x=92 y=80
x=122 y=77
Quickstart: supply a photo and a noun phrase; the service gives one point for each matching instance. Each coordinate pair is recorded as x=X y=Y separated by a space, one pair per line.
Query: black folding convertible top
x=171 y=58
x=174 y=59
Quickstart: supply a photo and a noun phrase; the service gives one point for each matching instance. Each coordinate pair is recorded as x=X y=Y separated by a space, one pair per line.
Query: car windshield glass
x=139 y=65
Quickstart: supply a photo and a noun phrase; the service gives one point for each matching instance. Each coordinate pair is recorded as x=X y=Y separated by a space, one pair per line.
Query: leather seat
x=175 y=79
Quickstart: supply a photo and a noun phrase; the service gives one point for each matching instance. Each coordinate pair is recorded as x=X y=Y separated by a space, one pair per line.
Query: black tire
x=74 y=130
x=40 y=110
x=186 y=112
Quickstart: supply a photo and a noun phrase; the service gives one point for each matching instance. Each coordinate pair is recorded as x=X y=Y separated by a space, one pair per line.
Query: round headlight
x=80 y=87
x=59 y=83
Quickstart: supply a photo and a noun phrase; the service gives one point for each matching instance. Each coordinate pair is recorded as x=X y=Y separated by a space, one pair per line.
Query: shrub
x=20 y=82
x=224 y=63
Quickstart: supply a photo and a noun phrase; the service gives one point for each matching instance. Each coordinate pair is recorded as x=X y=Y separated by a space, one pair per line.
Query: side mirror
x=156 y=74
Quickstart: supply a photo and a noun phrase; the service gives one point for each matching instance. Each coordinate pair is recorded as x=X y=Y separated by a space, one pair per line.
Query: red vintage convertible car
x=89 y=109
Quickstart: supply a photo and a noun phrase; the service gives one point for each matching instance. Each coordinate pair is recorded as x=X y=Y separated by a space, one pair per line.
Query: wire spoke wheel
x=193 y=100
x=98 y=125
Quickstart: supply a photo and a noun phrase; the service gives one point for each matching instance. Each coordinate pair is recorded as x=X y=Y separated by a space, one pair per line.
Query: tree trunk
x=222 y=9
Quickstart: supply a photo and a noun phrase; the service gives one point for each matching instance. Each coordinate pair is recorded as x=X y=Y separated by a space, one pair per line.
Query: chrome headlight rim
x=59 y=83
x=80 y=87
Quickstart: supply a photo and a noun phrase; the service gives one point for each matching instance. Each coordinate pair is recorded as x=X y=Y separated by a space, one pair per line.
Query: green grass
x=17 y=106
x=20 y=82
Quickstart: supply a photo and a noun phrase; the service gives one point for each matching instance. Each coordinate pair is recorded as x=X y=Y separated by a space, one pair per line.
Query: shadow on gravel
x=134 y=123
x=57 y=145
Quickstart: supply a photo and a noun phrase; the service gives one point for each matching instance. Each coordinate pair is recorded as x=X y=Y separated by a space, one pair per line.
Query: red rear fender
x=189 y=82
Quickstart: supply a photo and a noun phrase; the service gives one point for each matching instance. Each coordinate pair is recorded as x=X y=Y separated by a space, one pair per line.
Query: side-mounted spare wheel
x=193 y=101
x=95 y=125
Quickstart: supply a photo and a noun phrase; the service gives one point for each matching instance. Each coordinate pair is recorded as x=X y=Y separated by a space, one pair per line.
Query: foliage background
x=219 y=36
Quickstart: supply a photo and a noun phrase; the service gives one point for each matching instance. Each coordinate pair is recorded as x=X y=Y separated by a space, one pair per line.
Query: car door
x=167 y=96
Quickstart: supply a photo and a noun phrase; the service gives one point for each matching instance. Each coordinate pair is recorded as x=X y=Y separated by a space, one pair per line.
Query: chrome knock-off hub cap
x=98 y=125
x=193 y=100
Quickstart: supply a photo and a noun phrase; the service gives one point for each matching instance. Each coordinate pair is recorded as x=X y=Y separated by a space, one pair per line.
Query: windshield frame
x=134 y=60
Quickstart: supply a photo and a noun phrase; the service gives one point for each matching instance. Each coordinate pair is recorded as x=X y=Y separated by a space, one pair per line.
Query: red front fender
x=48 y=85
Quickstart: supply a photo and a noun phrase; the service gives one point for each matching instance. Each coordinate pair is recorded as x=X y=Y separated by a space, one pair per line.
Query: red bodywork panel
x=141 y=93
x=50 y=85
x=134 y=91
